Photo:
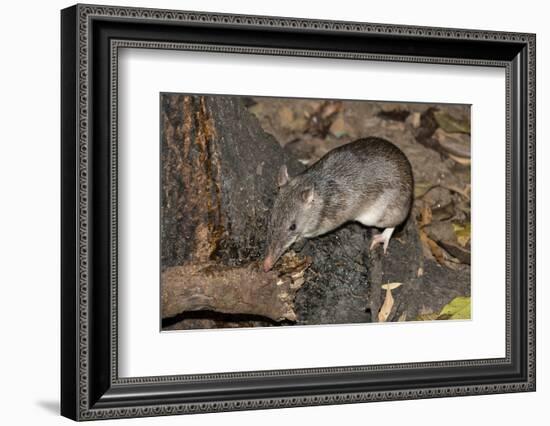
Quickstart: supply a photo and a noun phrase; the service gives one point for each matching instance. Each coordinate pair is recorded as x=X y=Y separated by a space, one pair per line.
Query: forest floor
x=435 y=139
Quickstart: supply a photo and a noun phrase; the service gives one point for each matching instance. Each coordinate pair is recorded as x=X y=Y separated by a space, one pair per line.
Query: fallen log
x=234 y=289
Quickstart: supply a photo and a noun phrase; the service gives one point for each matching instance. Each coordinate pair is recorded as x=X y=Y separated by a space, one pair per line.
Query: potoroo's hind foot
x=384 y=238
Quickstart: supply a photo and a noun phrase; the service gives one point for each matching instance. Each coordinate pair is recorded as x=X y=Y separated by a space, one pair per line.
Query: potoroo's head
x=290 y=216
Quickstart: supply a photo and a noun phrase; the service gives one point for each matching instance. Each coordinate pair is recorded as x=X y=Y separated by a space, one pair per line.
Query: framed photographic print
x=263 y=212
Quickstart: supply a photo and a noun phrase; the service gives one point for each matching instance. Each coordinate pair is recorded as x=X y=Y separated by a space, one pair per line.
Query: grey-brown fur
x=369 y=181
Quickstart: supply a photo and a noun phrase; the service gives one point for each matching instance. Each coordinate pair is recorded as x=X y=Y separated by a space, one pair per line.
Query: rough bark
x=337 y=284
x=218 y=180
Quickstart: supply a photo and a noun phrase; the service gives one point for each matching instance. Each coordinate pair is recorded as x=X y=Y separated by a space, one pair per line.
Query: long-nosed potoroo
x=369 y=181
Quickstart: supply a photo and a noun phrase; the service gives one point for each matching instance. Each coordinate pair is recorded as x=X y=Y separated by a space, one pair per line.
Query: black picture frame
x=90 y=386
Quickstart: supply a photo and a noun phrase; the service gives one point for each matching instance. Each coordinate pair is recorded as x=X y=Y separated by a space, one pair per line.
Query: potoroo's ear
x=307 y=195
x=282 y=177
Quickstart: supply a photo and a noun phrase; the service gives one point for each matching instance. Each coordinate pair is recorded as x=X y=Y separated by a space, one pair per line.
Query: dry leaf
x=451 y=124
x=460 y=253
x=285 y=115
x=385 y=310
x=441 y=231
x=422 y=188
x=458 y=308
x=425 y=246
x=462 y=233
x=460 y=160
x=330 y=108
x=414 y=120
x=453 y=143
x=425 y=216
x=444 y=212
x=391 y=286
x=464 y=192
x=338 y=127
x=436 y=251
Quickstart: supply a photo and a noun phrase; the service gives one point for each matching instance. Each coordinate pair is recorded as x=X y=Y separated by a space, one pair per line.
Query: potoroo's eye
x=292 y=227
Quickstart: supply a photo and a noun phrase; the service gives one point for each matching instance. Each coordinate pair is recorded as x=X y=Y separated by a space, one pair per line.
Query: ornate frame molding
x=80 y=19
